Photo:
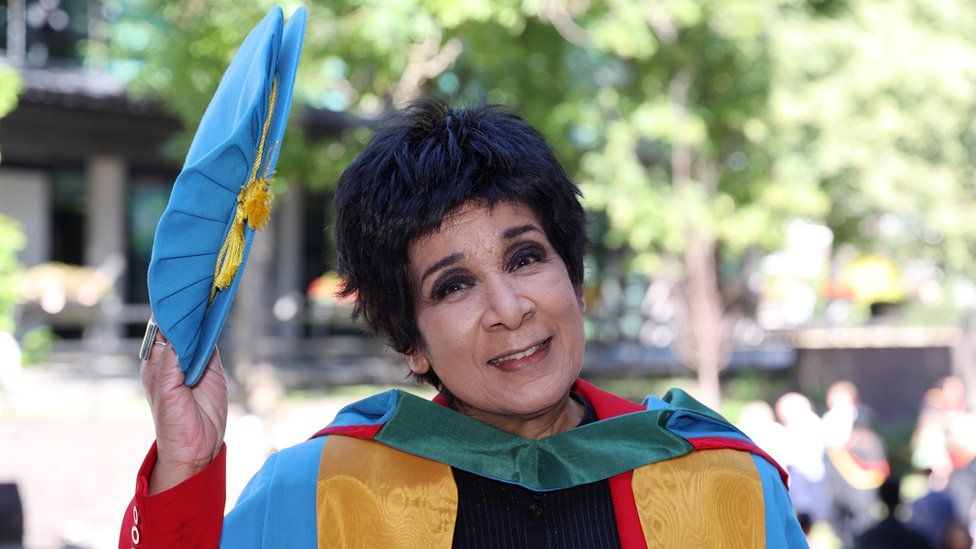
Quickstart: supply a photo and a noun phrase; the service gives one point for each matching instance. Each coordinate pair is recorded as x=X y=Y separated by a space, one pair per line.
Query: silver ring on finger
x=149 y=339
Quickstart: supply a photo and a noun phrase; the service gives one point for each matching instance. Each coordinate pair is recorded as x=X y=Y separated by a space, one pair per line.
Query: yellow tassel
x=256 y=202
x=229 y=258
x=253 y=207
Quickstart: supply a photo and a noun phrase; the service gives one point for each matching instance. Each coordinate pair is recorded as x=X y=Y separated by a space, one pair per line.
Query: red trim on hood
x=719 y=443
x=629 y=528
x=366 y=432
x=605 y=404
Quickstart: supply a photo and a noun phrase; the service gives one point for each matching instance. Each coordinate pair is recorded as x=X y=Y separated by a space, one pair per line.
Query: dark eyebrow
x=447 y=261
x=444 y=262
x=513 y=232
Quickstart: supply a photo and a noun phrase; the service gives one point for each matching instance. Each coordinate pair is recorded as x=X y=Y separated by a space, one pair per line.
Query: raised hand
x=190 y=421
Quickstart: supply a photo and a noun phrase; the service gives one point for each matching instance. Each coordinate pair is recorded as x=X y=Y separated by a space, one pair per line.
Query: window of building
x=146 y=200
x=69 y=195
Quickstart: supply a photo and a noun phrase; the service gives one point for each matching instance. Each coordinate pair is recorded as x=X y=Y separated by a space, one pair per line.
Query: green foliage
x=741 y=388
x=37 y=344
x=10 y=86
x=12 y=240
x=876 y=105
x=704 y=88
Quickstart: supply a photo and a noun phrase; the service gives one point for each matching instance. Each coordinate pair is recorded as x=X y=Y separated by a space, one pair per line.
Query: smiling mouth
x=521 y=354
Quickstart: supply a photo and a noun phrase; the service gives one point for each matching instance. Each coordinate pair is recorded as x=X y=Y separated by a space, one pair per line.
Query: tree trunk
x=704 y=335
x=257 y=388
x=703 y=338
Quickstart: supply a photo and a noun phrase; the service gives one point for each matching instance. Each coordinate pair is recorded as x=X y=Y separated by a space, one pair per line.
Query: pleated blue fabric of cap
x=224 y=180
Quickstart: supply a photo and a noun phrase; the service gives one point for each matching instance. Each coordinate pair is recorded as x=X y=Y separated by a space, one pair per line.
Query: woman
x=462 y=239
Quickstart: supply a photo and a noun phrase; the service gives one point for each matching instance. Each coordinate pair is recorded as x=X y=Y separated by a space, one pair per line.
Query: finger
x=162 y=365
x=159 y=343
x=159 y=336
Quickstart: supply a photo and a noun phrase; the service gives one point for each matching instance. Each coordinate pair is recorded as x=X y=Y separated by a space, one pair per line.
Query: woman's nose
x=506 y=306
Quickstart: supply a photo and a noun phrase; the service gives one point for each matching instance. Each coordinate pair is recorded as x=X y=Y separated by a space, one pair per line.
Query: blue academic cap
x=223 y=194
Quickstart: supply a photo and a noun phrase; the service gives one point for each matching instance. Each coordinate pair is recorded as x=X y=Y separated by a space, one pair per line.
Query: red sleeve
x=189 y=514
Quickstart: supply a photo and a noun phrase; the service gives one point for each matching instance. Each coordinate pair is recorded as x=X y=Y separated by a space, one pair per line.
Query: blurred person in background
x=934 y=515
x=891 y=533
x=944 y=441
x=954 y=389
x=856 y=465
x=844 y=409
x=958 y=421
x=930 y=442
x=961 y=486
x=758 y=421
x=958 y=537
x=802 y=449
x=941 y=405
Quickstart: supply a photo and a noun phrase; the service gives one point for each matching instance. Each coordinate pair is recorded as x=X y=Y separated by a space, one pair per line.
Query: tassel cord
x=253 y=208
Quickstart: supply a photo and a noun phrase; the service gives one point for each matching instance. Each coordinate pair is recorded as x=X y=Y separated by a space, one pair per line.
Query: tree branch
x=425 y=60
x=662 y=25
x=557 y=13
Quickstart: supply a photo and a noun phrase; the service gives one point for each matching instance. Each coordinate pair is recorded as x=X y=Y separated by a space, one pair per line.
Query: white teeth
x=522 y=354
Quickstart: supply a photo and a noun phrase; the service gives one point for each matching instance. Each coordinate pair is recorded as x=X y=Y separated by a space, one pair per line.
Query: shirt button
x=135 y=514
x=135 y=536
x=535 y=510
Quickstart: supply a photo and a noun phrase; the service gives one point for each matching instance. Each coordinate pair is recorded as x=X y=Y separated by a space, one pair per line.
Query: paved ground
x=73 y=441
x=70 y=444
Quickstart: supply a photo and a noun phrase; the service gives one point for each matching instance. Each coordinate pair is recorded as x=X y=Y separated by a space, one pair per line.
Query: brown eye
x=450 y=285
x=524 y=257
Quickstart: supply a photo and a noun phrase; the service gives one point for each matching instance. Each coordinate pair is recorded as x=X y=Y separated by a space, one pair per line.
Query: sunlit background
x=782 y=197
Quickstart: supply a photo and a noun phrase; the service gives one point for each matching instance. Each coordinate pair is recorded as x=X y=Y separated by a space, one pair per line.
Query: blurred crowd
x=840 y=474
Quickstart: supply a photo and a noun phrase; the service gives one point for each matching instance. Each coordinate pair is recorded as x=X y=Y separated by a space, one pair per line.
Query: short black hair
x=420 y=167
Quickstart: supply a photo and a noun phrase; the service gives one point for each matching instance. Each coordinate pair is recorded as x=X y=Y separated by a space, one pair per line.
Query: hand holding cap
x=223 y=195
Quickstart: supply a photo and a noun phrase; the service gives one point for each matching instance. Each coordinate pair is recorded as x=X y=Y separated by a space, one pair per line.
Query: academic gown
x=380 y=476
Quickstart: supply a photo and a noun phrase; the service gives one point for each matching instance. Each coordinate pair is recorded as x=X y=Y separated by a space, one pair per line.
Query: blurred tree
x=10 y=86
x=684 y=164
x=876 y=103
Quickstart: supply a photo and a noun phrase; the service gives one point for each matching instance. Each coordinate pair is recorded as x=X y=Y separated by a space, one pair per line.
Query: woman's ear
x=581 y=300
x=418 y=362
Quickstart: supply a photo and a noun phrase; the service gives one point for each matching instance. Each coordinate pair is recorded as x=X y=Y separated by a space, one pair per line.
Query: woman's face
x=502 y=325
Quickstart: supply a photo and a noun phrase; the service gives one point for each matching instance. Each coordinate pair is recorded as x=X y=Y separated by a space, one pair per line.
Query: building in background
x=83 y=169
x=84 y=172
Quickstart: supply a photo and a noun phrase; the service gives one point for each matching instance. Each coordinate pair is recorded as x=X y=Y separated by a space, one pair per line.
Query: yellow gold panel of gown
x=704 y=499
x=371 y=495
